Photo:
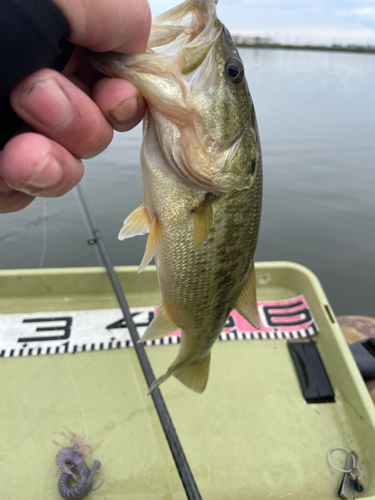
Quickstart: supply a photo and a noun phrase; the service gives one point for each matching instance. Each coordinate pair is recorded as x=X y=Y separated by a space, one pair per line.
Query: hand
x=73 y=114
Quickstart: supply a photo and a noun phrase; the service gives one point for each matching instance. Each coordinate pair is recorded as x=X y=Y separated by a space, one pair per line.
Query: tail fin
x=159 y=381
x=193 y=376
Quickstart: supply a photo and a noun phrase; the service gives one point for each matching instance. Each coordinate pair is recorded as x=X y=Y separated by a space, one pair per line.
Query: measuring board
x=42 y=333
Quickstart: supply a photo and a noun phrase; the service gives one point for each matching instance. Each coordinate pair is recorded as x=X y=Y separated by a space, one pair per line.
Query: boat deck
x=251 y=434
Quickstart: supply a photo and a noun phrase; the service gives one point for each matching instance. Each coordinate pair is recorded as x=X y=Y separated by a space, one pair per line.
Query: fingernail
x=46 y=102
x=47 y=175
x=125 y=111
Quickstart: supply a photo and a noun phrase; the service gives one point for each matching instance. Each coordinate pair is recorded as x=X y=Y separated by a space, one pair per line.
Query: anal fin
x=137 y=223
x=202 y=222
x=150 y=245
x=160 y=326
x=246 y=303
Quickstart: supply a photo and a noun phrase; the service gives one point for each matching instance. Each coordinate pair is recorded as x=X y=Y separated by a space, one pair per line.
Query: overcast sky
x=296 y=21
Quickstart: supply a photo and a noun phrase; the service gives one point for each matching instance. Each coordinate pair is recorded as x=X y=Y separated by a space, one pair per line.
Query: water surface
x=316 y=114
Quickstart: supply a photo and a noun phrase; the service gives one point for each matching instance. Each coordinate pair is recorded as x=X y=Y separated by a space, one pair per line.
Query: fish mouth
x=182 y=47
x=184 y=34
x=179 y=43
x=185 y=24
x=188 y=31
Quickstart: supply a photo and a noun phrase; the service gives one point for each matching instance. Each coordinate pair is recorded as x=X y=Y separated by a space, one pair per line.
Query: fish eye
x=234 y=70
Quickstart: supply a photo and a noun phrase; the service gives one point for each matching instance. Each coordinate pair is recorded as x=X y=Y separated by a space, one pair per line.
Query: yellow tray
x=250 y=435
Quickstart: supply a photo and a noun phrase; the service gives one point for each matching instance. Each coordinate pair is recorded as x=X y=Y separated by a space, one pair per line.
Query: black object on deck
x=364 y=355
x=181 y=462
x=315 y=384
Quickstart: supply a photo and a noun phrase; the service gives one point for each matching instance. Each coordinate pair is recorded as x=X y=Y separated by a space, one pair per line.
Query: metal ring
x=349 y=471
x=353 y=476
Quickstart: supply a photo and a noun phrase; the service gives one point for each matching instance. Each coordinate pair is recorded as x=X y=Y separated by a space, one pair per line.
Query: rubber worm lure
x=68 y=459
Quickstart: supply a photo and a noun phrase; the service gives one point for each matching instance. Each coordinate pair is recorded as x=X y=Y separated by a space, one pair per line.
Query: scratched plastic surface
x=249 y=435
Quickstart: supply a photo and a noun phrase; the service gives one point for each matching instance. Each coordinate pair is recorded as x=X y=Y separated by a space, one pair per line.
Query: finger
x=118 y=25
x=14 y=201
x=11 y=200
x=120 y=102
x=55 y=107
x=37 y=166
x=80 y=66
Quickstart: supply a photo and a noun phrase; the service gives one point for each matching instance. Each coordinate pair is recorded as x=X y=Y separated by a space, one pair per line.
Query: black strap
x=33 y=35
x=181 y=462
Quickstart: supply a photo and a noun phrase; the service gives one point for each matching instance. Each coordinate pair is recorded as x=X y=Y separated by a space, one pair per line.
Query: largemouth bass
x=202 y=180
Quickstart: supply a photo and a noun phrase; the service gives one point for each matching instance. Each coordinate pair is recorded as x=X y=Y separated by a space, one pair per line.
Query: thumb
x=117 y=25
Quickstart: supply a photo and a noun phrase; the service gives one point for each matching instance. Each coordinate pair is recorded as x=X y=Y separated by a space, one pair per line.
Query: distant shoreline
x=333 y=48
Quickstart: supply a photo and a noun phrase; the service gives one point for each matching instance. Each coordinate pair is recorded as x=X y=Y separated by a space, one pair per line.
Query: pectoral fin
x=202 y=222
x=246 y=303
x=150 y=246
x=137 y=223
x=160 y=326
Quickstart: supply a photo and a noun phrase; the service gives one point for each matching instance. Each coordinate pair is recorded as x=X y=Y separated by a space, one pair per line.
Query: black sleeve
x=33 y=35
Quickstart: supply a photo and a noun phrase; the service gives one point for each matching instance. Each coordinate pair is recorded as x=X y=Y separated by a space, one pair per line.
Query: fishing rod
x=178 y=454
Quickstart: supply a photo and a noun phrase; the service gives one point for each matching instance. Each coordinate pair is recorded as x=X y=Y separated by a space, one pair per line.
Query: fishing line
x=44 y=218
x=178 y=454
